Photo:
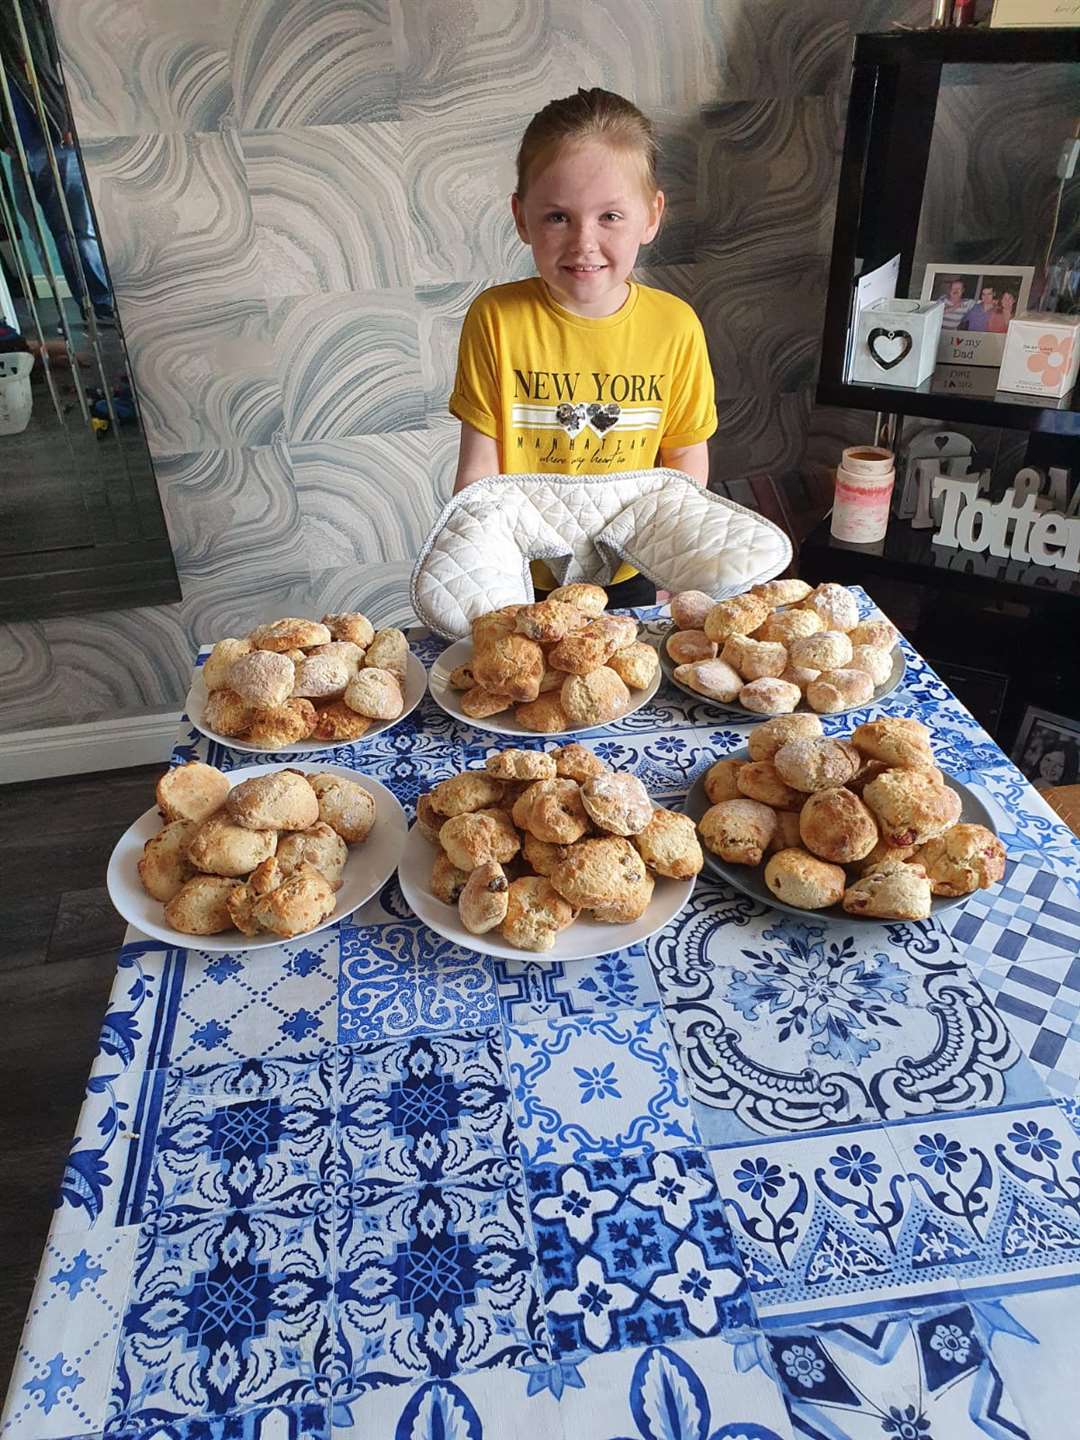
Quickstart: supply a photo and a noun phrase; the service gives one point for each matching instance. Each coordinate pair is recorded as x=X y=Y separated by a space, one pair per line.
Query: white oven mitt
x=477 y=555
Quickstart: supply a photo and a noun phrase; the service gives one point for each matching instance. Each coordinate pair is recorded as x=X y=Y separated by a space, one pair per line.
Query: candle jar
x=864 y=485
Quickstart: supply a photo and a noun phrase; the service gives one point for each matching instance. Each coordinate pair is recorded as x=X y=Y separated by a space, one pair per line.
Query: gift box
x=1042 y=354
x=896 y=342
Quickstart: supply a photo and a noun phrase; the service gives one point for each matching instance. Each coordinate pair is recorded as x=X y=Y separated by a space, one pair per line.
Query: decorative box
x=1042 y=354
x=896 y=342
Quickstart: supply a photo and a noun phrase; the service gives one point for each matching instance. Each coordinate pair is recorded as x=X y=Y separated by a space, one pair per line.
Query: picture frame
x=1021 y=13
x=1047 y=749
x=980 y=300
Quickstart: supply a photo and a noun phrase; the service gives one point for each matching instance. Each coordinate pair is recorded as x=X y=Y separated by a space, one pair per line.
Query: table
x=754 y=1178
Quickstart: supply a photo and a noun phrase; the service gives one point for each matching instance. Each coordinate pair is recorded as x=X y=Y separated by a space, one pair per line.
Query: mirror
x=81 y=525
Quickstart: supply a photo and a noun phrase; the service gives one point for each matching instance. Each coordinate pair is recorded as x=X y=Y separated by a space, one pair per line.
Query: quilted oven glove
x=477 y=556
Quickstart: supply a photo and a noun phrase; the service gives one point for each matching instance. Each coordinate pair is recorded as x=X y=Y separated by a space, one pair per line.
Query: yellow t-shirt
x=570 y=394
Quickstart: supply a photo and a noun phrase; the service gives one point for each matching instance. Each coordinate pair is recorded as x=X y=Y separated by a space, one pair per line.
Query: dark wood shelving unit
x=895 y=80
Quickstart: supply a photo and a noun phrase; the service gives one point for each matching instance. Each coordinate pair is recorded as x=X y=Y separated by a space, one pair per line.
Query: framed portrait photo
x=1047 y=749
x=979 y=303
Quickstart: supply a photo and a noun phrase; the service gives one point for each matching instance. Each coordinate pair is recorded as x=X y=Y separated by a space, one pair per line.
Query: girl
x=580 y=370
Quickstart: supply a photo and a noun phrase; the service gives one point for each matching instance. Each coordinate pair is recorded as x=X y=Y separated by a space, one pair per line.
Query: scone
x=350 y=625
x=782 y=592
x=715 y=679
x=721 y=780
x=767 y=738
x=479 y=703
x=883 y=851
x=509 y=665
x=911 y=806
x=282 y=800
x=597 y=872
x=289 y=723
x=594 y=699
x=389 y=650
x=636 y=665
x=578 y=762
x=621 y=630
x=786 y=835
x=191 y=792
x=515 y=764
x=321 y=846
x=836 y=606
x=895 y=740
x=689 y=608
x=471 y=790
x=882 y=634
x=334 y=720
x=535 y=913
x=552 y=810
x=218 y=847
x=544 y=716
x=461 y=678
x=770 y=697
x=738 y=830
x=826 y=650
x=761 y=780
x=241 y=898
x=164 y=867
x=548 y=621
x=350 y=654
x=592 y=599
x=754 y=659
x=376 y=693
x=630 y=908
x=345 y=806
x=540 y=855
x=894 y=891
x=802 y=880
x=483 y=835
x=669 y=845
x=835 y=690
x=835 y=825
x=226 y=714
x=618 y=804
x=200 y=906
x=687 y=646
x=428 y=820
x=581 y=653
x=741 y=615
x=299 y=904
x=787 y=626
x=485 y=899
x=290 y=633
x=215 y=670
x=447 y=879
x=816 y=764
x=876 y=663
x=965 y=858
x=322 y=677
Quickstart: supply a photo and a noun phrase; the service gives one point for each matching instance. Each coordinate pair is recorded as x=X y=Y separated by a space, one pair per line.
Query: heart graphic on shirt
x=603 y=417
x=888 y=347
x=570 y=417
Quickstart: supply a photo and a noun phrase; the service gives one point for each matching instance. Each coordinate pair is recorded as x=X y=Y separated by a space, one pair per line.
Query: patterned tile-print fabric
x=755 y=1178
x=299 y=199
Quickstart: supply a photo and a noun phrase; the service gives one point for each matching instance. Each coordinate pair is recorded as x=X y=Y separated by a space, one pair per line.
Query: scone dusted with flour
x=294 y=679
x=264 y=856
x=534 y=839
x=866 y=823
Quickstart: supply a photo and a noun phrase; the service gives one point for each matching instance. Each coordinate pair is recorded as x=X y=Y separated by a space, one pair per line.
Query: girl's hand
x=692 y=460
x=478 y=457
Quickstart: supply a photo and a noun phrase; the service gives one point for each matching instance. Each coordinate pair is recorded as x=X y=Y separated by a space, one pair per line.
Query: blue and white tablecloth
x=755 y=1178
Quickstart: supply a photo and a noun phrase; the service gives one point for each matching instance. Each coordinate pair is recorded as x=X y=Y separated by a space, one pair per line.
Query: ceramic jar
x=864 y=485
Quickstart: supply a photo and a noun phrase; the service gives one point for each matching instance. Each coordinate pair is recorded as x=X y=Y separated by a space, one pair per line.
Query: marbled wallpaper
x=299 y=199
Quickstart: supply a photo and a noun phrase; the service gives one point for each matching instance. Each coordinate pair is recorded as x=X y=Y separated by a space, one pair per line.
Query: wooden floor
x=59 y=937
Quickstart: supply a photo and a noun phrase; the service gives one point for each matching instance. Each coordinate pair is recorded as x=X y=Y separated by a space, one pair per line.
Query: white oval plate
x=195 y=706
x=448 y=699
x=899 y=667
x=580 y=941
x=750 y=879
x=367 y=869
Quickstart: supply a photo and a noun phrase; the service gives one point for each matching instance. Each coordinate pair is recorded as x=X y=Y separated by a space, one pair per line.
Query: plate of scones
x=297 y=686
x=782 y=647
x=561 y=666
x=246 y=859
x=862 y=828
x=548 y=855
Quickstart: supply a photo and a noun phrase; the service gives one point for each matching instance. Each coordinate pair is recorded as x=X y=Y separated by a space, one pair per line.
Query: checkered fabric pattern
x=1033 y=915
x=1041 y=1005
